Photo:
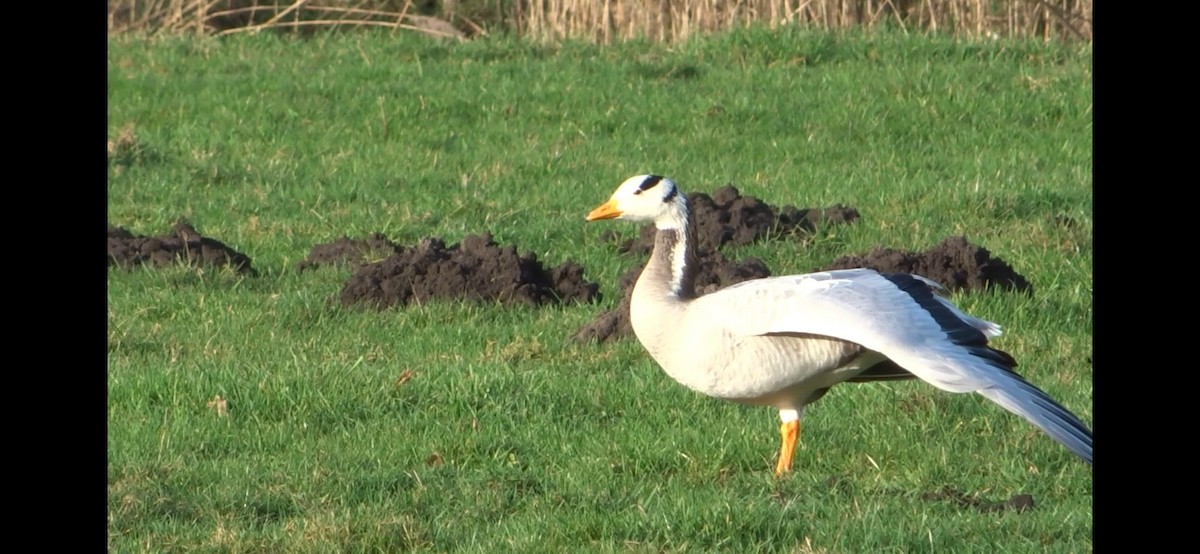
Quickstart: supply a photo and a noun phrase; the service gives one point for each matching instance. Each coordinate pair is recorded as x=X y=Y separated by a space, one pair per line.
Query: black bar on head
x=650 y=181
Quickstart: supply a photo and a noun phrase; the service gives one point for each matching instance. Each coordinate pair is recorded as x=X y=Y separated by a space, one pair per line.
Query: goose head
x=645 y=198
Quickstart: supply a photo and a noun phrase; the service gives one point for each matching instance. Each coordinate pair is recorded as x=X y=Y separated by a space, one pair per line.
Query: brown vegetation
x=221 y=17
x=605 y=20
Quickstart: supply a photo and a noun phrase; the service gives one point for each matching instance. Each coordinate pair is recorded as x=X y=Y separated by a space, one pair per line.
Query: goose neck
x=674 y=262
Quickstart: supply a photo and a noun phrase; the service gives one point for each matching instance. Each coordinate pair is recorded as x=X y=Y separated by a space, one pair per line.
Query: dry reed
x=606 y=21
x=222 y=17
x=666 y=20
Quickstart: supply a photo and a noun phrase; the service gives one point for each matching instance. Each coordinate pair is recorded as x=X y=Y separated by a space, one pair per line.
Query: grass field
x=507 y=437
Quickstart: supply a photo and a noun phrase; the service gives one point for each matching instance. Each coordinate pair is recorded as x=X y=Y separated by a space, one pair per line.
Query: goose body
x=785 y=341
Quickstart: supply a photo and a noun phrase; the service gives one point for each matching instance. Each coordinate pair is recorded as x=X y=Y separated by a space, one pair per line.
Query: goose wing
x=899 y=316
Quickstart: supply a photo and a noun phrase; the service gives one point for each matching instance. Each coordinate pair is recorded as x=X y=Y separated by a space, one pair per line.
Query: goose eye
x=637 y=192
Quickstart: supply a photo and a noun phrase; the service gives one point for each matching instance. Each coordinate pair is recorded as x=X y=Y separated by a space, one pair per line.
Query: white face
x=639 y=198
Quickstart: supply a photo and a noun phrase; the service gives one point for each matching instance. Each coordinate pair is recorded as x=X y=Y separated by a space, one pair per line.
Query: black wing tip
x=957 y=330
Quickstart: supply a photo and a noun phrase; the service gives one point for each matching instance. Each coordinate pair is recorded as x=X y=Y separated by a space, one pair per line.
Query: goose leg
x=789 y=432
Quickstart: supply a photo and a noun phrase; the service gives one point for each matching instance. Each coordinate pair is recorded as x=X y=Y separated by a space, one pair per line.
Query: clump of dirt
x=955 y=263
x=1018 y=502
x=727 y=217
x=182 y=244
x=475 y=269
x=715 y=272
x=348 y=251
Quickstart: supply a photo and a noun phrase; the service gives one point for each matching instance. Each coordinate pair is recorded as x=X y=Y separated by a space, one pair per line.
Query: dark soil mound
x=727 y=217
x=182 y=245
x=348 y=251
x=955 y=263
x=475 y=269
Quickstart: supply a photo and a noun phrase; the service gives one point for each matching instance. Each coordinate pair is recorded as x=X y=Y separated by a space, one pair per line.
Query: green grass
x=506 y=436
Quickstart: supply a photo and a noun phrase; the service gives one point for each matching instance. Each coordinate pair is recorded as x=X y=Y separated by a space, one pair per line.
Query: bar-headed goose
x=784 y=341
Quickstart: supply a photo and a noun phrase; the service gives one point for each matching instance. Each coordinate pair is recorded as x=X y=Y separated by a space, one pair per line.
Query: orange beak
x=607 y=210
